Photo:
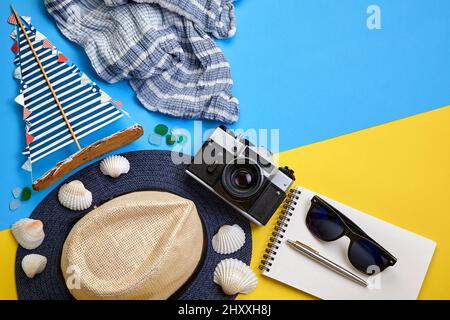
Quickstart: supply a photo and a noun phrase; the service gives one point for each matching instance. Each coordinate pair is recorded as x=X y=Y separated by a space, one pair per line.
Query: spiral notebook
x=282 y=263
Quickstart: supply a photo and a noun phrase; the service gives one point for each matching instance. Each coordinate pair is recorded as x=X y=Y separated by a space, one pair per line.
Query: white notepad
x=402 y=281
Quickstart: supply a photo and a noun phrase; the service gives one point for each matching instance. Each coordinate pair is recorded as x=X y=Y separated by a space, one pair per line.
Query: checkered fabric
x=163 y=47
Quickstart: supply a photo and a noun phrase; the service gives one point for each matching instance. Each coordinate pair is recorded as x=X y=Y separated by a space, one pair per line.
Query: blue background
x=310 y=68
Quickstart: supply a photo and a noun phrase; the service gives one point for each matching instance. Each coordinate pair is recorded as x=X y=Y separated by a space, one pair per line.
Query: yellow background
x=399 y=172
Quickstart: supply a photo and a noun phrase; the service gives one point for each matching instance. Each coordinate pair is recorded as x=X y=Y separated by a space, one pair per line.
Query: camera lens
x=242 y=180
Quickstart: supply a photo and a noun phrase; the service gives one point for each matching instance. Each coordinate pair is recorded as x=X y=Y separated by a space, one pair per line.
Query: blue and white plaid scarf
x=163 y=47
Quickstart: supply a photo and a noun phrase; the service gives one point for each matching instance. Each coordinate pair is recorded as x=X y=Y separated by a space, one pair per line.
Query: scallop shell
x=234 y=276
x=75 y=196
x=33 y=264
x=114 y=166
x=228 y=239
x=29 y=233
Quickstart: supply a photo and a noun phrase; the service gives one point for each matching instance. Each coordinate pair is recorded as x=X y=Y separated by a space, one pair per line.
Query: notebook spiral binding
x=283 y=220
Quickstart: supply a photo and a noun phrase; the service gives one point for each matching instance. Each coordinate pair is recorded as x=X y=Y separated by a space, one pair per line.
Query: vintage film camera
x=242 y=175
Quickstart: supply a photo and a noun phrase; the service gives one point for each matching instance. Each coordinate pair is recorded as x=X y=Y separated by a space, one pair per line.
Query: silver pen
x=316 y=256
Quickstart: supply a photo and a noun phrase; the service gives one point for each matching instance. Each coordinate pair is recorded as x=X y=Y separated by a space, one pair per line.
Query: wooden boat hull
x=91 y=152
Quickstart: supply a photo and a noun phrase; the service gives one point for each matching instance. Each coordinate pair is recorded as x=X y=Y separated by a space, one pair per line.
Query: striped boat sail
x=61 y=105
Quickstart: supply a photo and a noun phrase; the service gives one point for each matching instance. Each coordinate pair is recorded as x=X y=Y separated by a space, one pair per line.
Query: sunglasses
x=328 y=224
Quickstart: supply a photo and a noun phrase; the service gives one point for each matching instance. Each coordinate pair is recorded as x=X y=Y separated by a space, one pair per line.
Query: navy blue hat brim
x=149 y=170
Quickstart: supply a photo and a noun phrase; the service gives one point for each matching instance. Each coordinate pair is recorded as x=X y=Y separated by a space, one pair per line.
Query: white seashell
x=75 y=196
x=114 y=166
x=228 y=239
x=29 y=233
x=234 y=276
x=33 y=264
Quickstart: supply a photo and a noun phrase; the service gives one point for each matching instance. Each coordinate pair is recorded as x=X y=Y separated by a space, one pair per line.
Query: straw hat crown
x=142 y=245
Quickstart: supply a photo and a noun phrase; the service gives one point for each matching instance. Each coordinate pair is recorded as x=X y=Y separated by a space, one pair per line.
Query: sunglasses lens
x=323 y=223
x=367 y=257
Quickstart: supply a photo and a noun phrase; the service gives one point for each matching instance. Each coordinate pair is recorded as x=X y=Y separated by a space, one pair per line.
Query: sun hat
x=154 y=184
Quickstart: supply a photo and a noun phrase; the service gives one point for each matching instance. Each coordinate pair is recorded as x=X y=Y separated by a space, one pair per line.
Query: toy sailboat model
x=62 y=108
